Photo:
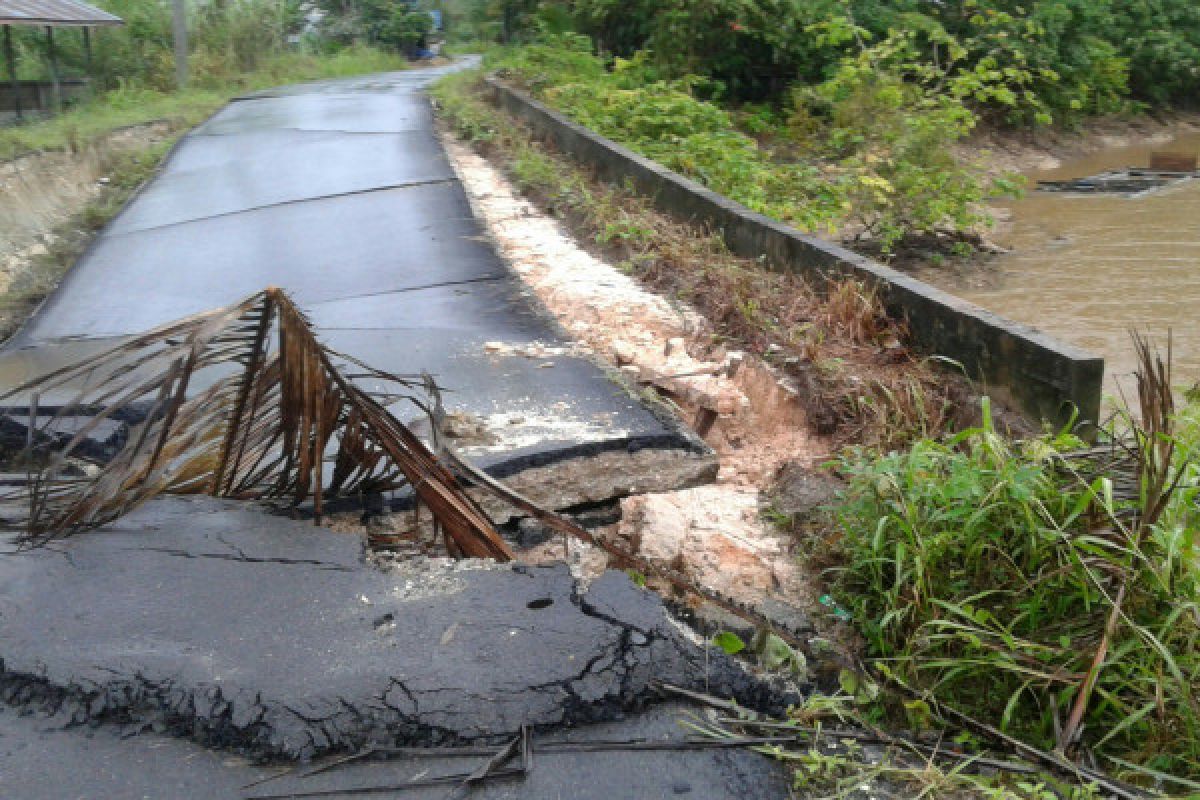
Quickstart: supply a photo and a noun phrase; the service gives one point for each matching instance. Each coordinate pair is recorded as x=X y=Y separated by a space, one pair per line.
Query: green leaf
x=730 y=643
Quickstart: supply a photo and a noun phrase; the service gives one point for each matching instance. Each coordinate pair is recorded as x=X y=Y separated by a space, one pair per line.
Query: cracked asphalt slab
x=275 y=638
x=161 y=655
x=339 y=192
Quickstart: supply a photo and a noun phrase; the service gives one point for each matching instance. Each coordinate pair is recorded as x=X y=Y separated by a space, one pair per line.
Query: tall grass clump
x=1051 y=594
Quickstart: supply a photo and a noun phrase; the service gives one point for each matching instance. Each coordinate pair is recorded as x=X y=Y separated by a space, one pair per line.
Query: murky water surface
x=1088 y=268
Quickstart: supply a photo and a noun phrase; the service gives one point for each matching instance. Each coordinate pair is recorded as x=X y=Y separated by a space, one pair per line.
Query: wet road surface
x=340 y=193
x=205 y=619
x=40 y=761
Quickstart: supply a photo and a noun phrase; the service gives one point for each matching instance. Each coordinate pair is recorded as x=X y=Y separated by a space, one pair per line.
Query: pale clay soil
x=716 y=534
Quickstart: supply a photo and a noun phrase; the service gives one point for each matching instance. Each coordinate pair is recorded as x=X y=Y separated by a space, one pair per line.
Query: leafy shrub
x=554 y=60
x=988 y=572
x=881 y=130
x=1078 y=56
x=892 y=120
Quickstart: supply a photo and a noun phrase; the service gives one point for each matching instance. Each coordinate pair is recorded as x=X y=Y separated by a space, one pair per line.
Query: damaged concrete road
x=209 y=619
x=202 y=628
x=340 y=193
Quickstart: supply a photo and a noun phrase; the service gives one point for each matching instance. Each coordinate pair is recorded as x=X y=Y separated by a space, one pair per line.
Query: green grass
x=101 y=115
x=1019 y=590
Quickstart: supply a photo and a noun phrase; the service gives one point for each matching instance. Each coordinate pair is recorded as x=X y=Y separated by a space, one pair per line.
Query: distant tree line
x=1071 y=57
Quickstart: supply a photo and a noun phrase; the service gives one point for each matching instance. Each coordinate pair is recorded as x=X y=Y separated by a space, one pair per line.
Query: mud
x=1041 y=150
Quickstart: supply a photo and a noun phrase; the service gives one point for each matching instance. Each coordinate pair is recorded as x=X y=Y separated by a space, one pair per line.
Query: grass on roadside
x=1056 y=599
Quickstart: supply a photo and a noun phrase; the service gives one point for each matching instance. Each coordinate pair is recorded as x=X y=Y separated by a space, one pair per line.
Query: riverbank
x=899 y=545
x=1088 y=269
x=1030 y=150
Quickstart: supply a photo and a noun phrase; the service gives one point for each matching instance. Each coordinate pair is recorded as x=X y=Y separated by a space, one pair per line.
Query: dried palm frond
x=238 y=402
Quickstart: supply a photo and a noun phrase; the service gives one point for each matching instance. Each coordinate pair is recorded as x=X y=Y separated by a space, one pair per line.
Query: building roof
x=54 y=13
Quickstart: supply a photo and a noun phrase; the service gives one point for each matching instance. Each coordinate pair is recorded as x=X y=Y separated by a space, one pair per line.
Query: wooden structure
x=1173 y=162
x=48 y=14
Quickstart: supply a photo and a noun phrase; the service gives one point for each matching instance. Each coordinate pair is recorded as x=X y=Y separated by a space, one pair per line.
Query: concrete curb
x=1019 y=365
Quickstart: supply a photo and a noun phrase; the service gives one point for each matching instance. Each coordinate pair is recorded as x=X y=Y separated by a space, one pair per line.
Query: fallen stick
x=492 y=766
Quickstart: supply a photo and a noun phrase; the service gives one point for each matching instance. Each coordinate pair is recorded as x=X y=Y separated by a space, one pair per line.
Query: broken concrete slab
x=39 y=761
x=209 y=619
x=99 y=443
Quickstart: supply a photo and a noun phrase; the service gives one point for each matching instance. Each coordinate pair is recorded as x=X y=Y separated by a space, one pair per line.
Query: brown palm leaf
x=239 y=402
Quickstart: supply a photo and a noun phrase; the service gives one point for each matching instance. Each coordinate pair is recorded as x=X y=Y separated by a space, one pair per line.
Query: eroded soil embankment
x=749 y=412
x=1038 y=150
x=55 y=201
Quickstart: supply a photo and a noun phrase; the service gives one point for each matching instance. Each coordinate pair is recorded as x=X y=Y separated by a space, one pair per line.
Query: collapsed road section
x=138 y=613
x=206 y=618
x=127 y=600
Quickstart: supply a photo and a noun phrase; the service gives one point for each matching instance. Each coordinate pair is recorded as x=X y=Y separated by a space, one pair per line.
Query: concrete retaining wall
x=1045 y=378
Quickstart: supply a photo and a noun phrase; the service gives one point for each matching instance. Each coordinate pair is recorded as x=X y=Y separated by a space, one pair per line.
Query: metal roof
x=54 y=13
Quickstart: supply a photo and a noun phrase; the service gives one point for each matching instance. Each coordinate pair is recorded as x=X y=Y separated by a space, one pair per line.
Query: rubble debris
x=746 y=410
x=1129 y=182
x=1173 y=162
x=714 y=535
x=263 y=432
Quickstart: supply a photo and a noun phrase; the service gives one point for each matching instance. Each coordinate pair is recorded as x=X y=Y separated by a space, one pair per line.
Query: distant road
x=339 y=192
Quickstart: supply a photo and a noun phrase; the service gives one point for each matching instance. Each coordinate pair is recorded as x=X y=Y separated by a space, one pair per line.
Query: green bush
x=874 y=158
x=552 y=61
x=986 y=572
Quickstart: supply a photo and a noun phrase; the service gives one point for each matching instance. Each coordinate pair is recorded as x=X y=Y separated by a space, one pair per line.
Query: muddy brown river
x=1087 y=268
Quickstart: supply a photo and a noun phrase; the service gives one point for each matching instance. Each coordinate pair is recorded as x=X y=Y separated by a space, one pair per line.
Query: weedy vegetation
x=1043 y=586
x=841 y=115
x=862 y=384
x=873 y=163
